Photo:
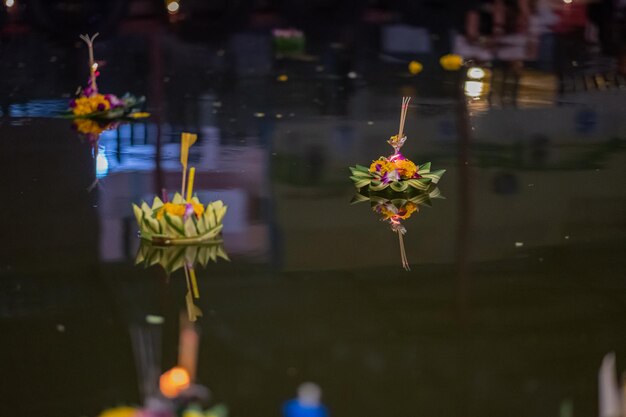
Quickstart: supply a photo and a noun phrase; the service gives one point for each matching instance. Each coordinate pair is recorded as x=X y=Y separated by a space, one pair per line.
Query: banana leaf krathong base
x=162 y=223
x=387 y=173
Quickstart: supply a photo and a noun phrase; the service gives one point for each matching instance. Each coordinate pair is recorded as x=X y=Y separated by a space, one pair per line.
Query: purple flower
x=115 y=102
x=101 y=107
x=188 y=211
x=397 y=157
x=390 y=176
x=72 y=103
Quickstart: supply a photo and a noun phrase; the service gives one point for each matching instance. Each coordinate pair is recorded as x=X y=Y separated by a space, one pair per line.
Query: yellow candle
x=192 y=173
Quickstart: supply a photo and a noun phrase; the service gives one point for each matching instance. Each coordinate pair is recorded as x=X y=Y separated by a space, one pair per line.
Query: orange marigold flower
x=179 y=209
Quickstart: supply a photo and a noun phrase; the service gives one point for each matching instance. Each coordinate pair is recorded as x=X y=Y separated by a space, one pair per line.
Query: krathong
x=89 y=103
x=396 y=171
x=183 y=220
x=394 y=208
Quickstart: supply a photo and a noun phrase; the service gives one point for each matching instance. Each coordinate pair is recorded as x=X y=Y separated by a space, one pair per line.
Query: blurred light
x=451 y=62
x=174 y=381
x=9 y=3
x=415 y=67
x=102 y=165
x=473 y=88
x=173 y=7
x=309 y=394
x=282 y=78
x=476 y=73
x=94 y=67
x=567 y=1
x=308 y=403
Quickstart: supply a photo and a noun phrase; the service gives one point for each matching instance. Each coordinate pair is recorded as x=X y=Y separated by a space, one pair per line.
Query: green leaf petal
x=174 y=225
x=378 y=187
x=178 y=199
x=360 y=182
x=190 y=228
x=399 y=186
x=138 y=214
x=156 y=203
x=435 y=176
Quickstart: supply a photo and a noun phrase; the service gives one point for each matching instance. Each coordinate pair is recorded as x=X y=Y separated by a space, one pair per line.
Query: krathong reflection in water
x=173 y=258
x=175 y=392
x=394 y=208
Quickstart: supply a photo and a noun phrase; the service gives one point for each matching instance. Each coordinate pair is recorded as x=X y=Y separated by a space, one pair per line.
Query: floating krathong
x=396 y=171
x=394 y=208
x=184 y=220
x=89 y=103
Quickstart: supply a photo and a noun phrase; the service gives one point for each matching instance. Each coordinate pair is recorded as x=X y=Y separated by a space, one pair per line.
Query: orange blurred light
x=174 y=381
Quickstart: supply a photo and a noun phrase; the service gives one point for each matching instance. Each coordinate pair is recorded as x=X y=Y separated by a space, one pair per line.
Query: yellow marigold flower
x=406 y=168
x=87 y=127
x=86 y=105
x=381 y=166
x=119 y=412
x=451 y=62
x=403 y=213
x=179 y=209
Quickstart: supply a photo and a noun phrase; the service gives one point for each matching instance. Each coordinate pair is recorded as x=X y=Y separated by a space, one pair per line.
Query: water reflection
x=394 y=208
x=303 y=302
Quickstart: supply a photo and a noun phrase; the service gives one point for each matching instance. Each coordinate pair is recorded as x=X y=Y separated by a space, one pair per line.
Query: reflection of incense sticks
x=92 y=66
x=188 y=346
x=146 y=342
x=403 y=112
x=405 y=262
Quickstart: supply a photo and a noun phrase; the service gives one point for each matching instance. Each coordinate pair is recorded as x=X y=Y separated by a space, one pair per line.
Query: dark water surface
x=517 y=286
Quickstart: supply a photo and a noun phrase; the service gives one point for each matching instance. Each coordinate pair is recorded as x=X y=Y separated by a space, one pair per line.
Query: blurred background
x=517 y=286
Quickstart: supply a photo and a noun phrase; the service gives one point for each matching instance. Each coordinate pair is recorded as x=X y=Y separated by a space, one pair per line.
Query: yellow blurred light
x=473 y=89
x=173 y=7
x=282 y=78
x=451 y=62
x=9 y=3
x=174 y=381
x=476 y=73
x=567 y=1
x=415 y=67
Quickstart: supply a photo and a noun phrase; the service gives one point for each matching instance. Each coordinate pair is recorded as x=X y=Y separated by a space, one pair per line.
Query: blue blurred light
x=294 y=408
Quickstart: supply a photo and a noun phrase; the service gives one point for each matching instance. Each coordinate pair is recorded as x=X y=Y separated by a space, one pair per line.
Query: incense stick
x=92 y=69
x=405 y=262
x=403 y=112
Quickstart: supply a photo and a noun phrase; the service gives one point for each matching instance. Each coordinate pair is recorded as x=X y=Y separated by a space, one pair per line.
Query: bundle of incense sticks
x=396 y=142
